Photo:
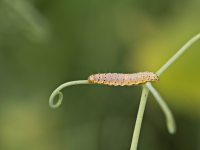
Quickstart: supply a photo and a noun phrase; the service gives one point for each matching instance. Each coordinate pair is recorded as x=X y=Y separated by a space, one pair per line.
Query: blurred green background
x=44 y=43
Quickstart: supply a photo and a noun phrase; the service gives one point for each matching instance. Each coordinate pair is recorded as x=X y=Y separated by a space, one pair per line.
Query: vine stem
x=136 y=133
x=170 y=120
x=177 y=55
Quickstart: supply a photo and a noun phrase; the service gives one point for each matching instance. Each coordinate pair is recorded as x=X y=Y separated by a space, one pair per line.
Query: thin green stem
x=177 y=55
x=57 y=91
x=171 y=125
x=136 y=134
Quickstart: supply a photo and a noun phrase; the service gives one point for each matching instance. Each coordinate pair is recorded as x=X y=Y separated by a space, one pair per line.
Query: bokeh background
x=44 y=43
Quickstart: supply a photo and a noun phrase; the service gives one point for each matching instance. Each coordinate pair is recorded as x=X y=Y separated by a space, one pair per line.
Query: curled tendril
x=57 y=92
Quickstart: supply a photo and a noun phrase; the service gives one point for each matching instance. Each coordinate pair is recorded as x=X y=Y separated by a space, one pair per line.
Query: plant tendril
x=57 y=92
x=171 y=125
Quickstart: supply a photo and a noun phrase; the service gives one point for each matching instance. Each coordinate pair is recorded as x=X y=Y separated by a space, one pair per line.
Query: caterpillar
x=123 y=79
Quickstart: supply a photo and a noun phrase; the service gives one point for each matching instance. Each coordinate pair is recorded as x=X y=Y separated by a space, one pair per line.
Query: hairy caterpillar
x=123 y=79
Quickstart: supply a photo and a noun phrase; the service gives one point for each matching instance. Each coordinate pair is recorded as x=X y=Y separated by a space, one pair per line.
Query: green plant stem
x=177 y=55
x=171 y=125
x=136 y=133
x=57 y=91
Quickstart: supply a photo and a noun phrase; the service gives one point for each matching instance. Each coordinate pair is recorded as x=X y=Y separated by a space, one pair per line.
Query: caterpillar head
x=91 y=78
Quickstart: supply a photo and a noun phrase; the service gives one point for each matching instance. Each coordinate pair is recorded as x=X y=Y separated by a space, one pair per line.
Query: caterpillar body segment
x=123 y=79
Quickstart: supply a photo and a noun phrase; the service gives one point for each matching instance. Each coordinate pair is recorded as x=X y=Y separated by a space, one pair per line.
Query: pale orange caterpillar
x=123 y=79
